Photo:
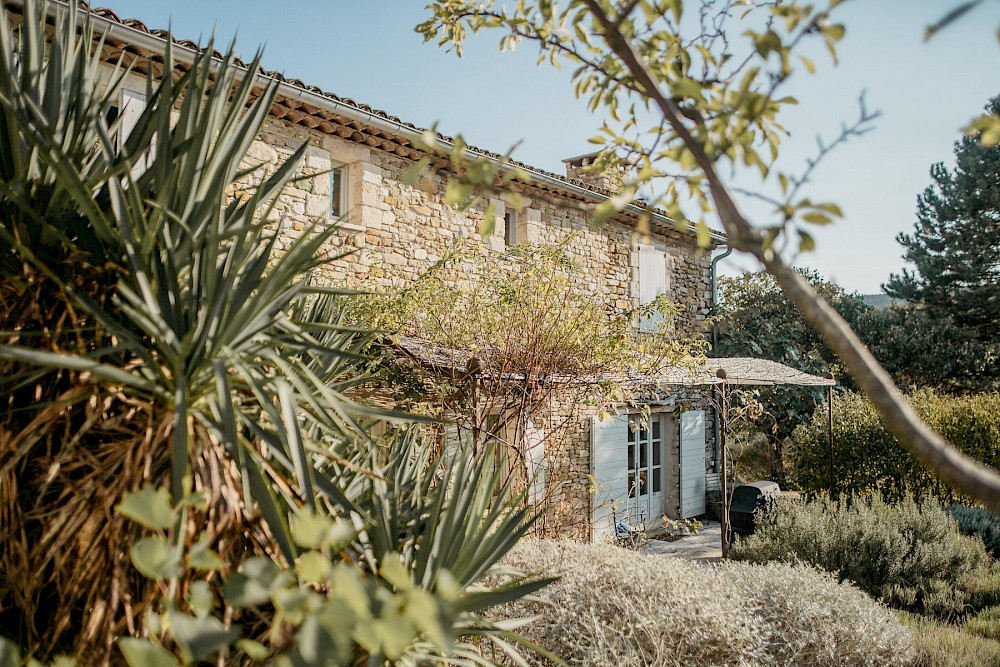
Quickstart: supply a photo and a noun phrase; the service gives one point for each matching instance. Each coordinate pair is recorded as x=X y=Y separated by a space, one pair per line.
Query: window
x=338 y=191
x=645 y=458
x=652 y=282
x=133 y=104
x=510 y=235
x=130 y=106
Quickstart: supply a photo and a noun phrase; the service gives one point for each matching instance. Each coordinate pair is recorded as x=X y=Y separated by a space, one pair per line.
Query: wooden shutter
x=133 y=104
x=692 y=463
x=534 y=446
x=652 y=281
x=608 y=439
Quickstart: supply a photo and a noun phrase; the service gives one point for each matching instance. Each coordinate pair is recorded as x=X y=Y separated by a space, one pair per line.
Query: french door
x=645 y=465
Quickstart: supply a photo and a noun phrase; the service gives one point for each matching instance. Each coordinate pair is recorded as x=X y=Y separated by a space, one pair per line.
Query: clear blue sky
x=367 y=50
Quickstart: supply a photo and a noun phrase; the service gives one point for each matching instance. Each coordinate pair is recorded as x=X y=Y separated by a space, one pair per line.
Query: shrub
x=985 y=623
x=615 y=607
x=868 y=459
x=944 y=645
x=977 y=521
x=984 y=591
x=910 y=554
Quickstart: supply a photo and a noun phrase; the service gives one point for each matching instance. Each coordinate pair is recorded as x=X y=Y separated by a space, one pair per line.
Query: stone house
x=359 y=155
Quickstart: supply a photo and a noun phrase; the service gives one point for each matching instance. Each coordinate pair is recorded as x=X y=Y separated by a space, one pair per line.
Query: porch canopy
x=749 y=371
x=714 y=371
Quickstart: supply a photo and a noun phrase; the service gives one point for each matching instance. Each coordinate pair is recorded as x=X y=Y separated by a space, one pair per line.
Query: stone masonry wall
x=394 y=232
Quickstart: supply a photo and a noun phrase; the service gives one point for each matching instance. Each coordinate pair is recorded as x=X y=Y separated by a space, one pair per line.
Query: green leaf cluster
x=145 y=271
x=382 y=592
x=867 y=458
x=725 y=89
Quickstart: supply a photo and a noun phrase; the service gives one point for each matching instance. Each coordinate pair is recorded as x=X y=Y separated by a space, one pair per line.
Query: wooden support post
x=829 y=431
x=723 y=427
x=473 y=367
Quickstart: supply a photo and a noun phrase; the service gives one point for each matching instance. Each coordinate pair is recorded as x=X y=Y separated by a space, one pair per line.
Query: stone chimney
x=611 y=179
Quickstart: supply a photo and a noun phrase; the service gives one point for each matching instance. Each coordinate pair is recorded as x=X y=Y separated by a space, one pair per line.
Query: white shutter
x=133 y=104
x=692 y=463
x=609 y=442
x=534 y=445
x=652 y=281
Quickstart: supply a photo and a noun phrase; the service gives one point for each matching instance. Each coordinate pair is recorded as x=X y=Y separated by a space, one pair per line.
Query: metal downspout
x=715 y=344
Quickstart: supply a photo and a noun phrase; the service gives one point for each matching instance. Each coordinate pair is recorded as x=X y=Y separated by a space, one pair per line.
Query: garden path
x=705 y=547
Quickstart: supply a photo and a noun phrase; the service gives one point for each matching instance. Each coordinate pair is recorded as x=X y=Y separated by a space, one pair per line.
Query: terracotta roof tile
x=137 y=24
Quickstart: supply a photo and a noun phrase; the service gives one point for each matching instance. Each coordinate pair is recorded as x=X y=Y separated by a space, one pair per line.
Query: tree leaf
x=10 y=653
x=254 y=649
x=201 y=637
x=143 y=653
x=201 y=599
x=155 y=559
x=257 y=579
x=310 y=529
x=413 y=173
x=202 y=557
x=313 y=567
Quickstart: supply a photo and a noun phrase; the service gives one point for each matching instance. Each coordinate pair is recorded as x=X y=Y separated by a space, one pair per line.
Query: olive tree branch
x=925 y=444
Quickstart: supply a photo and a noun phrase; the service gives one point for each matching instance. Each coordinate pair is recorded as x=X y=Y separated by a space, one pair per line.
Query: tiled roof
x=738 y=370
x=137 y=24
x=310 y=116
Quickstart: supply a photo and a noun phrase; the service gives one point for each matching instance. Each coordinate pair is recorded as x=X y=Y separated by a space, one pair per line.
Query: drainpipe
x=715 y=344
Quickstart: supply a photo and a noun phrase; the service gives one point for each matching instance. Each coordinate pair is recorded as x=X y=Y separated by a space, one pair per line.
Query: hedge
x=867 y=457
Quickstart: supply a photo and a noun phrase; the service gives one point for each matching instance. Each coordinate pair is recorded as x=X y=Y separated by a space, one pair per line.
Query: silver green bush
x=616 y=607
x=979 y=522
x=909 y=554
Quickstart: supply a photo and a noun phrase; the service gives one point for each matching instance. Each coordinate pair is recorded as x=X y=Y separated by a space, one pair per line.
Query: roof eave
x=290 y=91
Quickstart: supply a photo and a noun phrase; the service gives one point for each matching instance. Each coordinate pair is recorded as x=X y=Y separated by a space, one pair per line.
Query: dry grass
x=943 y=645
x=64 y=553
x=616 y=607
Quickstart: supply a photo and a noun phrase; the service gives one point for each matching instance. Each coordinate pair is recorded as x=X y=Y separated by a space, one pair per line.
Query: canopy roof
x=746 y=370
x=737 y=370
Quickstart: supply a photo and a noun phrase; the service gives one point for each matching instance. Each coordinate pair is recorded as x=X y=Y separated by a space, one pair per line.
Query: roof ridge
x=110 y=15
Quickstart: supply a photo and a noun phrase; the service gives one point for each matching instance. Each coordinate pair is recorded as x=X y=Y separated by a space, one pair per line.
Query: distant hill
x=878 y=300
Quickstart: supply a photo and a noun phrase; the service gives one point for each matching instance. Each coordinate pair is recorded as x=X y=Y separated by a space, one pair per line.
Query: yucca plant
x=151 y=336
x=145 y=315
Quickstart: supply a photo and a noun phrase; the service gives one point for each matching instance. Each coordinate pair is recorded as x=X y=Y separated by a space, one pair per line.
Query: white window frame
x=340 y=202
x=511 y=225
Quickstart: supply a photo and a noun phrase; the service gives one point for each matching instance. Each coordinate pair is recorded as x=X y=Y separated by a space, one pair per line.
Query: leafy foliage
x=756 y=319
x=723 y=71
x=615 y=607
x=406 y=602
x=909 y=554
x=868 y=458
x=920 y=348
x=158 y=356
x=985 y=623
x=501 y=338
x=942 y=644
x=957 y=230
x=980 y=523
x=688 y=102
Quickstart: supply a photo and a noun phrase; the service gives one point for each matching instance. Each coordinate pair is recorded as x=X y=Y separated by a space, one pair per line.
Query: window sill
x=346 y=226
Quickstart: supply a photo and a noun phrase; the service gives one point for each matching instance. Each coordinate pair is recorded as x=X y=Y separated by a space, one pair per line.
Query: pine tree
x=955 y=246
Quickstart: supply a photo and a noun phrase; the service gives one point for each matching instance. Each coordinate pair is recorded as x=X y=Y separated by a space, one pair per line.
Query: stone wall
x=393 y=232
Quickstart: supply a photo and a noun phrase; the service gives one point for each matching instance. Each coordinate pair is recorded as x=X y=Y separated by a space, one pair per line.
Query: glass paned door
x=645 y=464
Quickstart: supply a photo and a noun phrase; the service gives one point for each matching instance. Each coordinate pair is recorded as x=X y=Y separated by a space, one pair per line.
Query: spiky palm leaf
x=149 y=334
x=186 y=327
